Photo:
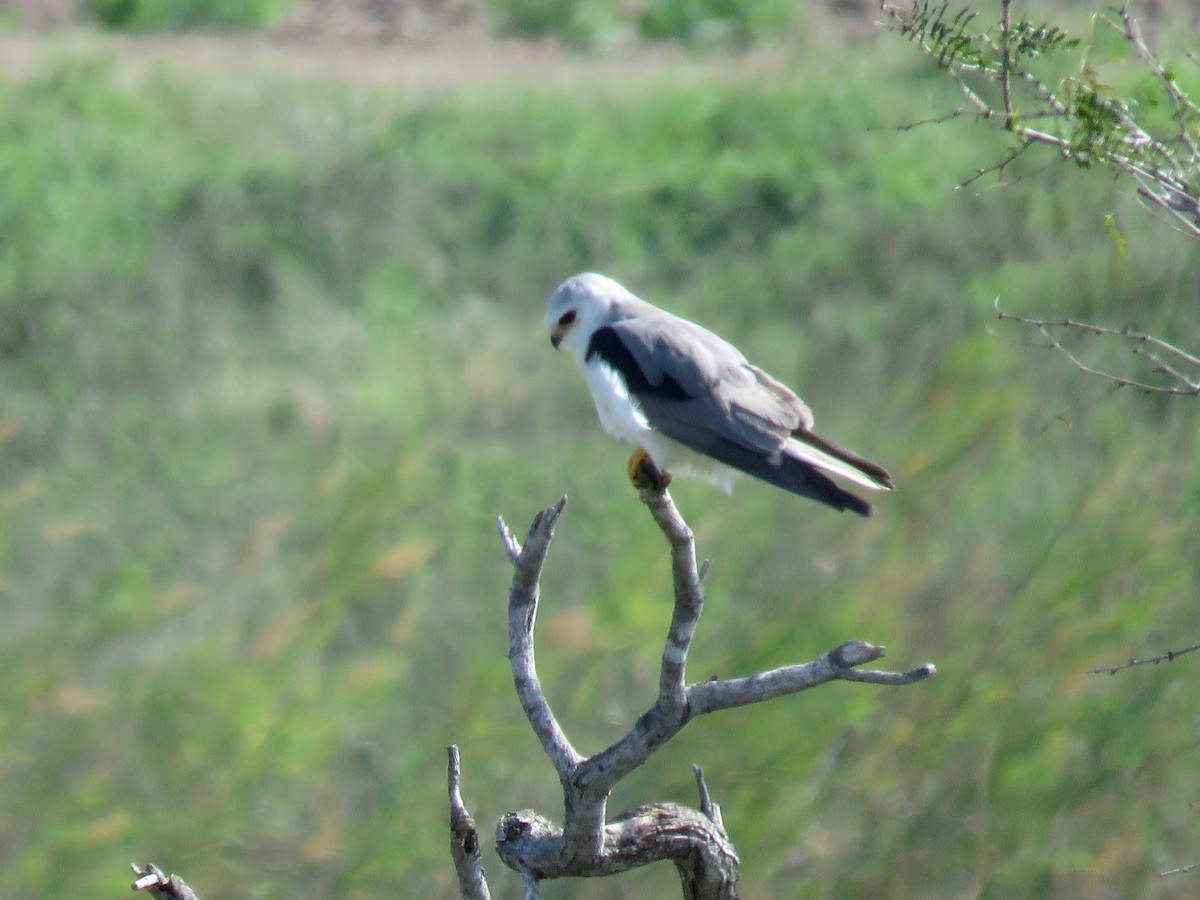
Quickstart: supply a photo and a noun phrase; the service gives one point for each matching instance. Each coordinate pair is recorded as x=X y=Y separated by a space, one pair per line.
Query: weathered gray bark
x=159 y=885
x=588 y=843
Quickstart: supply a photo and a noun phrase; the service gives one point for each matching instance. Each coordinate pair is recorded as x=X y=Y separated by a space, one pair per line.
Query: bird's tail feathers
x=838 y=461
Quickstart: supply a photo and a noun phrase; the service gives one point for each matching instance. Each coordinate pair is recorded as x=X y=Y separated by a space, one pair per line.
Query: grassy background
x=271 y=364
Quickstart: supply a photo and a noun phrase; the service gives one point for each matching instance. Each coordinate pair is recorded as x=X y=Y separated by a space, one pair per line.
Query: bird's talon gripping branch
x=644 y=475
x=636 y=459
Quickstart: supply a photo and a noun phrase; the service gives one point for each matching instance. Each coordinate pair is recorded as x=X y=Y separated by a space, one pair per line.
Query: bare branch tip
x=512 y=547
x=546 y=518
x=710 y=809
x=1180 y=869
x=853 y=653
x=152 y=878
x=149 y=877
x=701 y=786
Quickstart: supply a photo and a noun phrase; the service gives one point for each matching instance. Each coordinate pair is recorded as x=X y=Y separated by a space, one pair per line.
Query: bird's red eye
x=566 y=318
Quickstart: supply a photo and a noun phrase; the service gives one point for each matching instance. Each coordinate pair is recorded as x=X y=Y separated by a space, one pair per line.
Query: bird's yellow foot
x=644 y=474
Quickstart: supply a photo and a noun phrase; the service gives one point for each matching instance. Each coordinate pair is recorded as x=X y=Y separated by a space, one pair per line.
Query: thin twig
x=1184 y=386
x=1180 y=869
x=956 y=113
x=1169 y=656
x=999 y=166
x=1006 y=66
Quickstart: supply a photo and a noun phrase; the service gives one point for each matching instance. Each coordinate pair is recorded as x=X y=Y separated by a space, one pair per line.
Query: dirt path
x=460 y=58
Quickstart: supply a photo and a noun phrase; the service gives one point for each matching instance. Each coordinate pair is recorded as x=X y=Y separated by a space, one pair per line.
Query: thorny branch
x=1164 y=359
x=1169 y=656
x=589 y=843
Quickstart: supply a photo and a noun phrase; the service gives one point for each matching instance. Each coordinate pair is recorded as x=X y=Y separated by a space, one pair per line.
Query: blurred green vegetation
x=271 y=364
x=165 y=15
x=585 y=23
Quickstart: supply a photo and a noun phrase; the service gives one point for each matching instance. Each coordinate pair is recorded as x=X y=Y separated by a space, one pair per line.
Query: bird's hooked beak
x=564 y=324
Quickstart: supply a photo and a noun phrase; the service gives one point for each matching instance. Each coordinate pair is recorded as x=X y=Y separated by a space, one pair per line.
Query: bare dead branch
x=152 y=879
x=836 y=665
x=651 y=833
x=588 y=844
x=1179 y=383
x=464 y=837
x=689 y=596
x=1169 y=656
x=522 y=612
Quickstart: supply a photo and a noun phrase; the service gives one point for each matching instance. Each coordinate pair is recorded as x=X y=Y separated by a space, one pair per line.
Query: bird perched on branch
x=691 y=402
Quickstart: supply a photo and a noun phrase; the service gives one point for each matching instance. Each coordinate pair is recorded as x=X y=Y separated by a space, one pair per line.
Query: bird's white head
x=579 y=306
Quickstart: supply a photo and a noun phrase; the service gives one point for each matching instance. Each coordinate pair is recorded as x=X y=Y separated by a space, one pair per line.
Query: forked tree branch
x=588 y=843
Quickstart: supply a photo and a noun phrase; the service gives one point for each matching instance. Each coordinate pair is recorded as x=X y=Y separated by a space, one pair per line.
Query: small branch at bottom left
x=464 y=836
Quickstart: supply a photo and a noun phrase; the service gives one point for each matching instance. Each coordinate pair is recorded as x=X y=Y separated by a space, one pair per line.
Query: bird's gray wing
x=699 y=390
x=692 y=385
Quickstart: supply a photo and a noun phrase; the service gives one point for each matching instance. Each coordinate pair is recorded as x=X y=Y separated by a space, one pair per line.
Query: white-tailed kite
x=691 y=401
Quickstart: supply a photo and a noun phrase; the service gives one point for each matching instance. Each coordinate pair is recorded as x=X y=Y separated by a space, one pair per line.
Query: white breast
x=623 y=418
x=619 y=413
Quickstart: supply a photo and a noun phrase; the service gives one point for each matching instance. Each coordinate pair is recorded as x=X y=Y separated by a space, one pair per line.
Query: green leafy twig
x=997 y=69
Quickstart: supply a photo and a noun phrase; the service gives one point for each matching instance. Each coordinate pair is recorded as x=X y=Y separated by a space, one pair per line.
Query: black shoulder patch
x=608 y=346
